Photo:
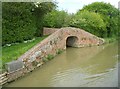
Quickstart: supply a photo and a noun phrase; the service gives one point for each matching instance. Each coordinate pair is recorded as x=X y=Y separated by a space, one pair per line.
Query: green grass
x=10 y=53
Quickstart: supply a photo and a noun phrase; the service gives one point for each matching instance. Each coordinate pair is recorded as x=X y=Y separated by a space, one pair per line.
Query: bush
x=91 y=22
x=17 y=24
x=109 y=15
x=23 y=20
x=57 y=19
x=39 y=14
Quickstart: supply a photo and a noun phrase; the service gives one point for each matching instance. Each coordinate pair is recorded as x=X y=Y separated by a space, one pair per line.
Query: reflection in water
x=76 y=67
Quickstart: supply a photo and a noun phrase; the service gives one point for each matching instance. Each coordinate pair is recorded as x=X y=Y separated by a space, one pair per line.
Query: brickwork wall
x=48 y=31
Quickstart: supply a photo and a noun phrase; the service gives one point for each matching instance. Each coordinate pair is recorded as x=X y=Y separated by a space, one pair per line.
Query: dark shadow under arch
x=71 y=41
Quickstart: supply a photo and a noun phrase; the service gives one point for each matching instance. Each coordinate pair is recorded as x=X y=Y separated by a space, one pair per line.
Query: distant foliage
x=98 y=18
x=57 y=19
x=109 y=15
x=89 y=21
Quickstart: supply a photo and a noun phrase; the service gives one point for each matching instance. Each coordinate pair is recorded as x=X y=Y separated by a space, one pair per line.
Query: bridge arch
x=72 y=41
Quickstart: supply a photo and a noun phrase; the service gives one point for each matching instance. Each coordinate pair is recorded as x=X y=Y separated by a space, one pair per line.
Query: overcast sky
x=74 y=5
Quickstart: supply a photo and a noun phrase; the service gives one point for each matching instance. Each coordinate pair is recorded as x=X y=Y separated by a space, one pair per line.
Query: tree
x=109 y=14
x=17 y=22
x=23 y=20
x=55 y=19
x=89 y=21
x=39 y=12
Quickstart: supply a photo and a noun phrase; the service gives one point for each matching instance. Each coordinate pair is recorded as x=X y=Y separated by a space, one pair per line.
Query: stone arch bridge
x=73 y=37
x=58 y=40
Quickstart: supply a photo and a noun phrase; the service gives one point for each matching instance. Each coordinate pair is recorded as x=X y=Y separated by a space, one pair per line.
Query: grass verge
x=10 y=53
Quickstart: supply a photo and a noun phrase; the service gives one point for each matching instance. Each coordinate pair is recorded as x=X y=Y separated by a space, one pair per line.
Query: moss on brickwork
x=50 y=56
x=59 y=51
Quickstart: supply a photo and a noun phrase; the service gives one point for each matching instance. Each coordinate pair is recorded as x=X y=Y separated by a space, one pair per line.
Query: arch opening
x=71 y=41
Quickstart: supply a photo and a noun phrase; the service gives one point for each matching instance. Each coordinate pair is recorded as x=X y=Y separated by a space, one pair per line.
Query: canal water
x=76 y=67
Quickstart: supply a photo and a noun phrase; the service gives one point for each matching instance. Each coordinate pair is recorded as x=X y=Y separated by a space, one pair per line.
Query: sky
x=72 y=6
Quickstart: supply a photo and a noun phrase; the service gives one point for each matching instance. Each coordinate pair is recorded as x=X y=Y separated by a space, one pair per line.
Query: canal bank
x=47 y=49
x=98 y=69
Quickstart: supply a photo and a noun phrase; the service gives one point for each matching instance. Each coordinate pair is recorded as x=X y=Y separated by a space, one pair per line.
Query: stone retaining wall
x=3 y=78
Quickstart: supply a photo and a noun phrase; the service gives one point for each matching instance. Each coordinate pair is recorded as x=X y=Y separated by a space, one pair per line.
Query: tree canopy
x=89 y=21
x=109 y=14
x=23 y=20
x=56 y=19
x=17 y=22
x=40 y=11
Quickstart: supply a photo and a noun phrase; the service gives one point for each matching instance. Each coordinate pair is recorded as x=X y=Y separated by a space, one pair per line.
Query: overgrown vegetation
x=17 y=22
x=23 y=20
x=57 y=19
x=39 y=14
x=98 y=18
x=91 y=22
x=108 y=13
